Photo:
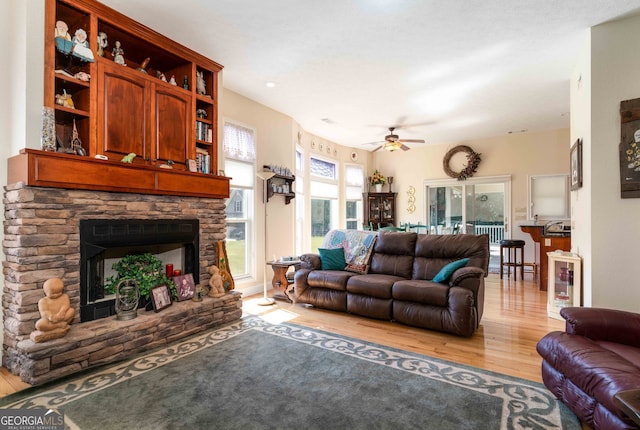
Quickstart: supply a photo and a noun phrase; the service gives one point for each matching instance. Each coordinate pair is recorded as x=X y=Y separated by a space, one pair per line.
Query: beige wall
x=608 y=227
x=517 y=155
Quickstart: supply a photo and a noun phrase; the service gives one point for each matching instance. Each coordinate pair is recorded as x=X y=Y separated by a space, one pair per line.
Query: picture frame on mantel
x=576 y=165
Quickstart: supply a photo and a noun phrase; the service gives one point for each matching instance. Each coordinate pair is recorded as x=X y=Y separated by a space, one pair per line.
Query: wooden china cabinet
x=161 y=104
x=379 y=209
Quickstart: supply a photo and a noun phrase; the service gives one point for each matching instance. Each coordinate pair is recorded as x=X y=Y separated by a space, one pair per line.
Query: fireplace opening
x=103 y=242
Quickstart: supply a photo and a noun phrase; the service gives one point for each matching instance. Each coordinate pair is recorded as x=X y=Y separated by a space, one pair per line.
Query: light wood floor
x=514 y=319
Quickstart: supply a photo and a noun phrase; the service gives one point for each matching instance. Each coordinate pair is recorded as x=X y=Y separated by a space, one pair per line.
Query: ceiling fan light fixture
x=393 y=146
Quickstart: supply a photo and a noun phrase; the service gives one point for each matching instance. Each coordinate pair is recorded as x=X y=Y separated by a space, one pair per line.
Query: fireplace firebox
x=104 y=241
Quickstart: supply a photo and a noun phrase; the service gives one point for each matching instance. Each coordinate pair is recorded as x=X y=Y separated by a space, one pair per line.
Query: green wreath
x=473 y=161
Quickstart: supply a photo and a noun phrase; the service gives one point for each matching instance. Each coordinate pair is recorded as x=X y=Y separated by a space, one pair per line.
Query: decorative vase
x=378 y=188
x=48 y=136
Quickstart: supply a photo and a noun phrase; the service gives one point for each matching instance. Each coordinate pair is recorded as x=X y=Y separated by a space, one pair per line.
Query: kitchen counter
x=546 y=243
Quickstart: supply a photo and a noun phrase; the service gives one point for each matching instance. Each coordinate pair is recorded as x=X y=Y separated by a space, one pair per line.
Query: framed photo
x=193 y=166
x=576 y=165
x=186 y=286
x=160 y=297
x=221 y=173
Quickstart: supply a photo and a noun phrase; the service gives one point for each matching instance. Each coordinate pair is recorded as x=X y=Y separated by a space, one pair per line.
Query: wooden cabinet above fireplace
x=134 y=107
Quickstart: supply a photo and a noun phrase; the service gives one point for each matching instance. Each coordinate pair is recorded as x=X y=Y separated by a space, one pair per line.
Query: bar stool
x=512 y=246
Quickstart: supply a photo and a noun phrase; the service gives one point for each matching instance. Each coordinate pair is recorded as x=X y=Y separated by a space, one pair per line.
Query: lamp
x=265 y=175
x=392 y=146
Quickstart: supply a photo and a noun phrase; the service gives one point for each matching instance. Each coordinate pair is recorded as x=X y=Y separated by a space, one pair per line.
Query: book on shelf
x=203 y=160
x=204 y=132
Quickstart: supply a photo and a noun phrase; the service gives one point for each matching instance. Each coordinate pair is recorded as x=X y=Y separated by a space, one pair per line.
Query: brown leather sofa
x=398 y=286
x=596 y=357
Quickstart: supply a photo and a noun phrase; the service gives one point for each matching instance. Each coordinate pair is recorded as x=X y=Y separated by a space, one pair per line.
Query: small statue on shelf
x=201 y=87
x=102 y=43
x=65 y=100
x=81 y=48
x=216 y=287
x=118 y=54
x=161 y=76
x=172 y=81
x=55 y=310
x=63 y=39
x=76 y=143
x=143 y=66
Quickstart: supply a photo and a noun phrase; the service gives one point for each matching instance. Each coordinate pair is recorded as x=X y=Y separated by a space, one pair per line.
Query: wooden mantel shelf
x=51 y=169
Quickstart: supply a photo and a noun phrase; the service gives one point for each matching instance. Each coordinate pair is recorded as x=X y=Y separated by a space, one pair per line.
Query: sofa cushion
x=419 y=291
x=358 y=247
x=445 y=273
x=332 y=259
x=373 y=285
x=393 y=254
x=434 y=251
x=598 y=371
x=331 y=279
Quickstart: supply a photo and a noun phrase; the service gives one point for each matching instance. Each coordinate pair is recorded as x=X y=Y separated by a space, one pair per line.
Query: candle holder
x=390 y=180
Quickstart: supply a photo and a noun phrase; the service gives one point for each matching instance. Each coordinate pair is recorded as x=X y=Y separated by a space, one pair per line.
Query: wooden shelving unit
x=131 y=108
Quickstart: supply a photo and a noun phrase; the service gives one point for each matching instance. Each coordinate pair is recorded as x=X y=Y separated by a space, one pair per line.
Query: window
x=240 y=153
x=301 y=245
x=354 y=187
x=324 y=199
x=549 y=197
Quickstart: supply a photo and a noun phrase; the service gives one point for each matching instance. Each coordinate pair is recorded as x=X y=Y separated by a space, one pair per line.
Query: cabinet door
x=124 y=126
x=388 y=210
x=374 y=211
x=171 y=117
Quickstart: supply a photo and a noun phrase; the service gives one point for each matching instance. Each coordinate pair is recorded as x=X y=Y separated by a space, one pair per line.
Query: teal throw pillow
x=445 y=273
x=332 y=259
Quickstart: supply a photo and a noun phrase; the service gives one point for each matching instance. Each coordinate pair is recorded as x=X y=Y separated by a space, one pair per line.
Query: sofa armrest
x=310 y=261
x=603 y=324
x=465 y=273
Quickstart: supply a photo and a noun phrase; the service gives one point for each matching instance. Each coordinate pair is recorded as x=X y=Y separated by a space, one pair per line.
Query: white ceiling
x=448 y=70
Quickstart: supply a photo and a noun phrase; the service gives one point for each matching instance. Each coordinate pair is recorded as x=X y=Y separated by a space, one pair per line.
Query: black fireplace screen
x=103 y=241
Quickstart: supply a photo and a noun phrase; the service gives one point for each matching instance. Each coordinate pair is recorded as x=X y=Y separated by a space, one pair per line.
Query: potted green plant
x=146 y=269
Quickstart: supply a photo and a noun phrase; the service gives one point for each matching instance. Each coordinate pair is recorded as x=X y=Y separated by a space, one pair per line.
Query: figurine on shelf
x=161 y=76
x=118 y=54
x=76 y=143
x=63 y=39
x=65 y=100
x=172 y=81
x=216 y=287
x=55 y=310
x=143 y=66
x=81 y=48
x=102 y=43
x=82 y=76
x=201 y=113
x=201 y=87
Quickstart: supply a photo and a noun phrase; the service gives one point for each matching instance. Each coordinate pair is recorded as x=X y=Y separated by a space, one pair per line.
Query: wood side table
x=280 y=280
x=629 y=402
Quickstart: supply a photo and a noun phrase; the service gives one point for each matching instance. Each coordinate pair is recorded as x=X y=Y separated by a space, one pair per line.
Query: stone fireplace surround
x=42 y=242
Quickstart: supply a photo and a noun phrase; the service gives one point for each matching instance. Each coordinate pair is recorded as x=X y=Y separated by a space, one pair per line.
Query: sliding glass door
x=475 y=206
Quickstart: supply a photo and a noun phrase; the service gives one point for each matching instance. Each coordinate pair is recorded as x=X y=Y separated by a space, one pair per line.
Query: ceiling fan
x=392 y=142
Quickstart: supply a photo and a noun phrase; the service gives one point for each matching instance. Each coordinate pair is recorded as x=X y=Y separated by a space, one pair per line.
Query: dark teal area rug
x=256 y=375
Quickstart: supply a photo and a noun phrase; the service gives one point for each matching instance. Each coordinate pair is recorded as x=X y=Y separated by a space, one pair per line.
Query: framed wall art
x=576 y=165
x=629 y=149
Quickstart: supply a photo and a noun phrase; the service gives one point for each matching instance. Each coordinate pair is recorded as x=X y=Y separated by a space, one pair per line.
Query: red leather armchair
x=597 y=356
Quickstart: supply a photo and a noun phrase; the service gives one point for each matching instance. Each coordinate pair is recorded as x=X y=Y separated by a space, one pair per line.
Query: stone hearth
x=42 y=242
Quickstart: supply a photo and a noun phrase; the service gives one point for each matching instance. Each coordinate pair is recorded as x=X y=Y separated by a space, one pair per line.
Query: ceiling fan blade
x=373 y=143
x=378 y=148
x=412 y=140
x=405 y=148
